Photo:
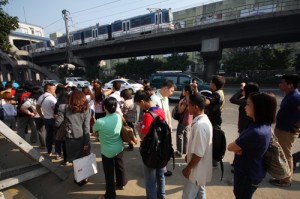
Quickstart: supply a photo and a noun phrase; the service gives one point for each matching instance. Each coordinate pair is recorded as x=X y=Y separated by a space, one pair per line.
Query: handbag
x=176 y=115
x=275 y=161
x=127 y=134
x=85 y=167
x=61 y=131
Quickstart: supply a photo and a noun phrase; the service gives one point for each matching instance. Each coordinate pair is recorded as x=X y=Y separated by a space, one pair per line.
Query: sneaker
x=168 y=173
x=178 y=154
x=279 y=183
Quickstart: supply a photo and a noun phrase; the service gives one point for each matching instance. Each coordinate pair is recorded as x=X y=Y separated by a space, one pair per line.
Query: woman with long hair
x=77 y=139
x=184 y=124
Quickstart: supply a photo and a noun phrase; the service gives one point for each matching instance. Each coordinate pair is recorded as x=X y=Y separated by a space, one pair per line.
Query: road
x=50 y=187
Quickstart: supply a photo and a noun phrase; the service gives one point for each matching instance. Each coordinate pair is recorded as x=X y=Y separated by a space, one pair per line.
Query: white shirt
x=30 y=102
x=48 y=105
x=200 y=144
x=120 y=100
x=90 y=101
x=162 y=102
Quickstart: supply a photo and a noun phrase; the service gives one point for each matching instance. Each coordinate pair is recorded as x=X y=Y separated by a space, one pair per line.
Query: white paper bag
x=85 y=167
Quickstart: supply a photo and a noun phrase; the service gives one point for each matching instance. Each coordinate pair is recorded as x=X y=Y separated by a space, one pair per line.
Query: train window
x=165 y=18
x=146 y=20
x=135 y=22
x=102 y=30
x=117 y=26
x=77 y=36
x=62 y=39
x=87 y=33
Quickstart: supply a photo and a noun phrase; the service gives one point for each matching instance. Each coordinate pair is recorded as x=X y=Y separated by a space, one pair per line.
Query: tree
x=7 y=24
x=265 y=57
x=177 y=62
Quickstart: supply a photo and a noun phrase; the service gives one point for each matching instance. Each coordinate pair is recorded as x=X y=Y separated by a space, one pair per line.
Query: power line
x=82 y=11
x=121 y=12
x=53 y=23
x=95 y=7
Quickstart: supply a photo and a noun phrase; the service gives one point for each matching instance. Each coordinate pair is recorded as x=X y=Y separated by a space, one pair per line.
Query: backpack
x=156 y=148
x=21 y=100
x=219 y=147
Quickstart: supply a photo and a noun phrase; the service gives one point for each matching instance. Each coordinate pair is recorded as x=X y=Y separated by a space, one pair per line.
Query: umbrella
x=15 y=84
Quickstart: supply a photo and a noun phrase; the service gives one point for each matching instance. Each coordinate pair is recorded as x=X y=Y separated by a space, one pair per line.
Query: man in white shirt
x=161 y=99
x=45 y=108
x=199 y=151
x=116 y=94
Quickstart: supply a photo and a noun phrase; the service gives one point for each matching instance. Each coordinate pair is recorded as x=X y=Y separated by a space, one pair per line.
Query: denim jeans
x=155 y=183
x=244 y=187
x=182 y=137
x=192 y=191
x=50 y=134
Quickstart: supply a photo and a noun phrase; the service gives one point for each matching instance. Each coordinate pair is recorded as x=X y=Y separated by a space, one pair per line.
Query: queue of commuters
x=201 y=115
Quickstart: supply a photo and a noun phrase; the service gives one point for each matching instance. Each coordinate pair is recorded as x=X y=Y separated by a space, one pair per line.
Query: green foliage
x=92 y=72
x=63 y=72
x=177 y=62
x=258 y=58
x=76 y=72
x=135 y=69
x=7 y=24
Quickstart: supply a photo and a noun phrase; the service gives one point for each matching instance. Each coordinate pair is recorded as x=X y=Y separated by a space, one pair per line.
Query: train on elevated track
x=160 y=20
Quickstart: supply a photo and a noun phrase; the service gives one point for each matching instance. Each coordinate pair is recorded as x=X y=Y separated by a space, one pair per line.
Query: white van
x=77 y=81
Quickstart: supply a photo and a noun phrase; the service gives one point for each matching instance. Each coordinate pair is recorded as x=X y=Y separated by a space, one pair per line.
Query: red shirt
x=148 y=119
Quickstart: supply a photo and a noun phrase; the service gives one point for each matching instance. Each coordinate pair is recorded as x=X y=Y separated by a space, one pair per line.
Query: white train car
x=143 y=24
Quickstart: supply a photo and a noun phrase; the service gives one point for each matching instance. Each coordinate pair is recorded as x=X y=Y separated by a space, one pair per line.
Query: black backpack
x=156 y=148
x=219 y=147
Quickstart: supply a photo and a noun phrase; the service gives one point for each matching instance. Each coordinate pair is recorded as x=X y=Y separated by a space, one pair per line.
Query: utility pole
x=68 y=50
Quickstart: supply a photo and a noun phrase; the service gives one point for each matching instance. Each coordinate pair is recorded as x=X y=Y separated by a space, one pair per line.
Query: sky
x=85 y=13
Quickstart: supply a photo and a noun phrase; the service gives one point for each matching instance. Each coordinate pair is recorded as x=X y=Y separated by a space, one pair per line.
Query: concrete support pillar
x=211 y=67
x=211 y=53
x=29 y=75
x=3 y=72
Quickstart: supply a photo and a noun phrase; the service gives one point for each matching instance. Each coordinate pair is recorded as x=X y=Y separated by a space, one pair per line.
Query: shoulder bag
x=62 y=129
x=127 y=134
x=275 y=161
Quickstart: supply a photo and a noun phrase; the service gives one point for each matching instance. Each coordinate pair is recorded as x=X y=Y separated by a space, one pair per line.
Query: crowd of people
x=101 y=113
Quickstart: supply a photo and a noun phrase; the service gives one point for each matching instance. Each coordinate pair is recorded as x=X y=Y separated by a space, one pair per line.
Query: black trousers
x=110 y=167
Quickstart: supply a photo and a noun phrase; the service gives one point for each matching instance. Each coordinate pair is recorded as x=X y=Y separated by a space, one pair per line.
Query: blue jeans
x=244 y=187
x=192 y=191
x=154 y=177
x=50 y=134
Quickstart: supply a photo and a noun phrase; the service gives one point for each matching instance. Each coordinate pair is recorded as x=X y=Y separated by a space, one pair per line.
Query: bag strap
x=44 y=99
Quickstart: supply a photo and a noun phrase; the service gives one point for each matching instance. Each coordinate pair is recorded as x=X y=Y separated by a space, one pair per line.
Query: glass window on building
x=22 y=30
x=38 y=33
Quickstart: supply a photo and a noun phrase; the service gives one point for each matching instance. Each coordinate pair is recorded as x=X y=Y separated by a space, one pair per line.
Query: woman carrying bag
x=108 y=129
x=77 y=138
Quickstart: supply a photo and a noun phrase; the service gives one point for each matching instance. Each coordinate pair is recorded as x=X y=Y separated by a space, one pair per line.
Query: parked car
x=53 y=81
x=77 y=81
x=180 y=80
x=125 y=84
